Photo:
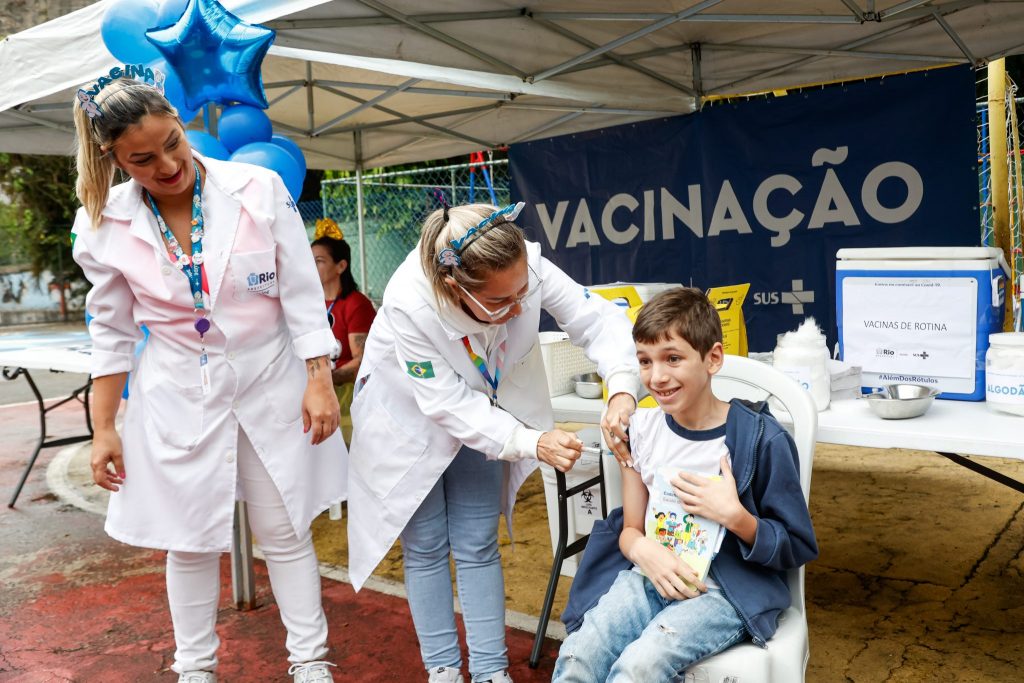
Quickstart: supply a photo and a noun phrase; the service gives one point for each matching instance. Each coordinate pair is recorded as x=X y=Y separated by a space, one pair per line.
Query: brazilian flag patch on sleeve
x=423 y=369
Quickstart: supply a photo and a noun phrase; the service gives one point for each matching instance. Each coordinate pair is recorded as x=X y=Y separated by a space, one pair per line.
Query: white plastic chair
x=784 y=660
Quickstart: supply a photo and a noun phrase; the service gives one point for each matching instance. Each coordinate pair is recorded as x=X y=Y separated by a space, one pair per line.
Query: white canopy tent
x=378 y=82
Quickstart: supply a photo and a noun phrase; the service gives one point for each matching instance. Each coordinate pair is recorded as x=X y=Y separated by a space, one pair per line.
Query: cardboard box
x=630 y=294
x=728 y=301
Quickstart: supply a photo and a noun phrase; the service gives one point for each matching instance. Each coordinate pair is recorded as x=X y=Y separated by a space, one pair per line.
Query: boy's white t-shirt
x=656 y=441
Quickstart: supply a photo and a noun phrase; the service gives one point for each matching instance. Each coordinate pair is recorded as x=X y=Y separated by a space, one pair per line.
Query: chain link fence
x=394 y=206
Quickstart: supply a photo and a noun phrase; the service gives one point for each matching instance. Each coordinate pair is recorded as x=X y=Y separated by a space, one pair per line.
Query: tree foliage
x=37 y=225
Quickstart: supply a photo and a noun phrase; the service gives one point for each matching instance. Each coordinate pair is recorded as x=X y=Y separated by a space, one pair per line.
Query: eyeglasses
x=532 y=288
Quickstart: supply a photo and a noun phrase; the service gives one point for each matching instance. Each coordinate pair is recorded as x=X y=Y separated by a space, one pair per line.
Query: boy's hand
x=671 y=576
x=615 y=425
x=716 y=499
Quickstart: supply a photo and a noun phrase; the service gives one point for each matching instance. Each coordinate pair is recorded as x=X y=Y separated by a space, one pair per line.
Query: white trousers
x=193 y=579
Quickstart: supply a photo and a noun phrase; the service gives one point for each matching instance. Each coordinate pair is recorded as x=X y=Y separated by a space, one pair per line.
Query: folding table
x=72 y=354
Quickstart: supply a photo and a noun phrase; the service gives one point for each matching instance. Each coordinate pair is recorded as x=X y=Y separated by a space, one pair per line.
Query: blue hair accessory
x=509 y=213
x=139 y=72
x=448 y=257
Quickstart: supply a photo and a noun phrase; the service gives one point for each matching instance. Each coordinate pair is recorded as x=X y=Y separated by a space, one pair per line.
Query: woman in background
x=349 y=312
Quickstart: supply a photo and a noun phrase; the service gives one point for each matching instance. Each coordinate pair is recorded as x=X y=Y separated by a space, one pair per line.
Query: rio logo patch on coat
x=423 y=369
x=261 y=283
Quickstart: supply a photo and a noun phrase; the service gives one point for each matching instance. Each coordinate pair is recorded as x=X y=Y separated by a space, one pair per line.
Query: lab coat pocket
x=384 y=449
x=283 y=385
x=254 y=273
x=173 y=413
x=526 y=397
x=528 y=369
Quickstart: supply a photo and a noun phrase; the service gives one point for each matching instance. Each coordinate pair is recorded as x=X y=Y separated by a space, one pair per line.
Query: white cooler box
x=920 y=315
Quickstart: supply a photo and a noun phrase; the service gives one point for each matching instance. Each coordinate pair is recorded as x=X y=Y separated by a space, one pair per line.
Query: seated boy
x=657 y=619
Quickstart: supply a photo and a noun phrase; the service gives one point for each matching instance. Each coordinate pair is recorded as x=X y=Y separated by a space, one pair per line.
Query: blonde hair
x=496 y=249
x=122 y=104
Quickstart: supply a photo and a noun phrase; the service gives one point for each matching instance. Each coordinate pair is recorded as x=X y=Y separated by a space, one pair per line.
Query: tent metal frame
x=557 y=95
x=909 y=15
x=904 y=16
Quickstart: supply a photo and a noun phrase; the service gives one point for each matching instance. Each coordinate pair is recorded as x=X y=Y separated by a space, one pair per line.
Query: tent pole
x=1000 y=171
x=309 y=99
x=357 y=137
x=698 y=80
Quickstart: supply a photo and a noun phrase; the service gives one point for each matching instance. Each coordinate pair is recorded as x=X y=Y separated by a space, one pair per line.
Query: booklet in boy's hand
x=691 y=537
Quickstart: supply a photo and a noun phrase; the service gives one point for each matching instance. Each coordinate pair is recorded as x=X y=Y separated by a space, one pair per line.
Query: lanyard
x=192 y=268
x=482 y=367
x=330 y=318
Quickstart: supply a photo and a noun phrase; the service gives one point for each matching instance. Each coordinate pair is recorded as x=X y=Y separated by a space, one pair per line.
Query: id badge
x=204 y=373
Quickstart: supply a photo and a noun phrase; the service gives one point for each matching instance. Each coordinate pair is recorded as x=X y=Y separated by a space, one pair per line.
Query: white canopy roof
x=384 y=82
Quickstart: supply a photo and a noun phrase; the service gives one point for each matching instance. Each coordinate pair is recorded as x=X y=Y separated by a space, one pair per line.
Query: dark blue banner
x=764 y=191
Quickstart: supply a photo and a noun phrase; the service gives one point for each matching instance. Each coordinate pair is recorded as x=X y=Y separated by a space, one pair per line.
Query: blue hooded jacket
x=752 y=578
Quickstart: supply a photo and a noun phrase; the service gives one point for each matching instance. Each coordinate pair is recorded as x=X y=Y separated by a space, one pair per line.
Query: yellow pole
x=1015 y=213
x=999 y=172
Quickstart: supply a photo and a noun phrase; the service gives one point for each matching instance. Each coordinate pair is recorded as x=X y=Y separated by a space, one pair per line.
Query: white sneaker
x=444 y=674
x=500 y=677
x=198 y=677
x=311 y=672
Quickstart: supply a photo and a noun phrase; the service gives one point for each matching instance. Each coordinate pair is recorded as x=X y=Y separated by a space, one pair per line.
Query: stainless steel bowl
x=901 y=401
x=588 y=385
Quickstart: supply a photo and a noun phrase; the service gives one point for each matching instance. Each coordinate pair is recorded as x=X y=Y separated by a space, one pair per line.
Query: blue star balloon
x=216 y=55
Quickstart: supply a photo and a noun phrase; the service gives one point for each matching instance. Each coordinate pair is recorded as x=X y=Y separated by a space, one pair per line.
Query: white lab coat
x=407 y=430
x=265 y=304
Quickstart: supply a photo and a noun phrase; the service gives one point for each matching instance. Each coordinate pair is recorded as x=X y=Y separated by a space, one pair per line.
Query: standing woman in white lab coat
x=232 y=397
x=452 y=413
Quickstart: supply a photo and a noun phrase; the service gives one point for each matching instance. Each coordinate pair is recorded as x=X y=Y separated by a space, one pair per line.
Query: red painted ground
x=78 y=606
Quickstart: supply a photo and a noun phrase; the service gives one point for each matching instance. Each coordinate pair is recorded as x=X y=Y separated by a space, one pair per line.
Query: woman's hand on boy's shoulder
x=615 y=425
x=672 y=577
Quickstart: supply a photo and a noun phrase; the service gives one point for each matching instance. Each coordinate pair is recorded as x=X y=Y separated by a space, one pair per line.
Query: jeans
x=633 y=634
x=193 y=579
x=459 y=517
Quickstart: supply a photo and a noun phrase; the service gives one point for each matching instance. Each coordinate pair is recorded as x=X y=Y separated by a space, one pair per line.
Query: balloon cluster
x=208 y=56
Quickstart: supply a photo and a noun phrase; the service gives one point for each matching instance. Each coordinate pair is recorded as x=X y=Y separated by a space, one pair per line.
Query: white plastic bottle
x=1004 y=372
x=803 y=355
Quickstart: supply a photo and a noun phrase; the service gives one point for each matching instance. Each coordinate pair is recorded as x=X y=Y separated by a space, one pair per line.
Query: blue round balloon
x=207 y=145
x=123 y=30
x=289 y=146
x=170 y=12
x=271 y=156
x=242 y=124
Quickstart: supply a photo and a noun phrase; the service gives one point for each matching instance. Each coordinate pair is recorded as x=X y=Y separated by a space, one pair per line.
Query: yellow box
x=728 y=301
x=627 y=293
